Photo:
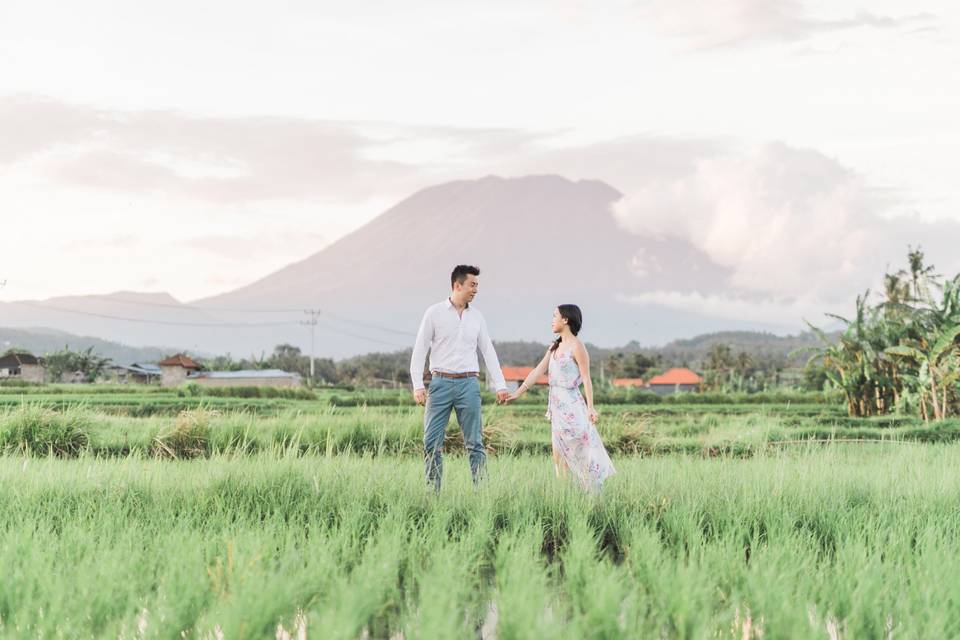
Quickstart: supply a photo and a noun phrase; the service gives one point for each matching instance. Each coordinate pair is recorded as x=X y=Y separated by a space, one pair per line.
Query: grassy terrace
x=314 y=427
x=817 y=542
x=140 y=513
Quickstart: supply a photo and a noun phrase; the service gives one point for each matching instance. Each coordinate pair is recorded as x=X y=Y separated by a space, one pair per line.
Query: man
x=453 y=331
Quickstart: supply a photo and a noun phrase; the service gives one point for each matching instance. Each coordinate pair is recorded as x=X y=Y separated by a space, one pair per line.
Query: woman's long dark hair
x=571 y=313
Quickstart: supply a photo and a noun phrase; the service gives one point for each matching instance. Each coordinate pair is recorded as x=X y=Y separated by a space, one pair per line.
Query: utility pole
x=312 y=314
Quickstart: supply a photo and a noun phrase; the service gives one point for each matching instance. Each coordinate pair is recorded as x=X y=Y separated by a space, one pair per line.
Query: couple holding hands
x=452 y=332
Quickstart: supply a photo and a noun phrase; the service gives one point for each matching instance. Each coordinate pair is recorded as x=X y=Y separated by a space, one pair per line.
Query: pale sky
x=194 y=147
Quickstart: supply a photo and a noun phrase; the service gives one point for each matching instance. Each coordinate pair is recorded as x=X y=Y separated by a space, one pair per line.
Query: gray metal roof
x=144 y=368
x=246 y=373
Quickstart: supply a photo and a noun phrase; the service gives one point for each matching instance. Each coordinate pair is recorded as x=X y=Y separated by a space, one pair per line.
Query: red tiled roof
x=628 y=382
x=519 y=374
x=180 y=360
x=679 y=375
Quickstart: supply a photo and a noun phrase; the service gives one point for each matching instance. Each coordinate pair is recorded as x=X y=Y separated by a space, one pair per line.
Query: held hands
x=502 y=396
x=420 y=396
x=513 y=396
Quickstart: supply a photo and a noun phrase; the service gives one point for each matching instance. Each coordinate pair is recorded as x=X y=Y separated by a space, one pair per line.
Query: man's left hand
x=502 y=396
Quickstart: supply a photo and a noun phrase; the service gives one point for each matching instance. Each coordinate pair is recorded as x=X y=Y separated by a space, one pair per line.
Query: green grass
x=321 y=429
x=862 y=540
x=34 y=429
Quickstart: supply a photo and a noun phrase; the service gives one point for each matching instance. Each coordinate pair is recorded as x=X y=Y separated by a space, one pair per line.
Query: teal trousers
x=463 y=396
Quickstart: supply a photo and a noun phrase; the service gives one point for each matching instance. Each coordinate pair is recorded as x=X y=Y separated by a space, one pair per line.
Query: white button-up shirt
x=453 y=340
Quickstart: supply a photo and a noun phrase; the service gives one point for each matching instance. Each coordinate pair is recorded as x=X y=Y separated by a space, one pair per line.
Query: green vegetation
x=40 y=430
x=142 y=512
x=66 y=362
x=384 y=424
x=817 y=542
x=901 y=355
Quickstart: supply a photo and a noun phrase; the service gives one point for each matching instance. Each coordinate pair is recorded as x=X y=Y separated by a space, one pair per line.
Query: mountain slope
x=539 y=241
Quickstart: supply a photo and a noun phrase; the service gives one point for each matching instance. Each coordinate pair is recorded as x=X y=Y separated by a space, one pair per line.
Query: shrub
x=498 y=436
x=34 y=429
x=189 y=390
x=188 y=438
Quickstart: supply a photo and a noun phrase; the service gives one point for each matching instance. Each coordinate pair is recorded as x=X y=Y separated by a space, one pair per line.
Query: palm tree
x=921 y=275
x=896 y=290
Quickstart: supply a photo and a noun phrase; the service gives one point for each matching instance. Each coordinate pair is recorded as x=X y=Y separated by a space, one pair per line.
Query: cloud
x=627 y=160
x=793 y=228
x=770 y=230
x=785 y=312
x=30 y=126
x=224 y=160
x=719 y=23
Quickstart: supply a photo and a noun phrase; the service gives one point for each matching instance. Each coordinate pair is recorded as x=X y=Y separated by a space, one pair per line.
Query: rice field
x=817 y=542
x=323 y=429
x=305 y=519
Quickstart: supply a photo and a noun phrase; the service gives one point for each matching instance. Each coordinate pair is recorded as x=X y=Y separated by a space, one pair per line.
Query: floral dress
x=575 y=438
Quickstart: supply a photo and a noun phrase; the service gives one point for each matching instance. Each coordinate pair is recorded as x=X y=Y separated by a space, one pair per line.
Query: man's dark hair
x=460 y=273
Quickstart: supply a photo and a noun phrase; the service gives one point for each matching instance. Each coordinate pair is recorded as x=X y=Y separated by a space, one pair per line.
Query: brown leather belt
x=468 y=374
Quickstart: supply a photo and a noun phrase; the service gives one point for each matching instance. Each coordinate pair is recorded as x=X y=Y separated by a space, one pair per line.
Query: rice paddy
x=281 y=526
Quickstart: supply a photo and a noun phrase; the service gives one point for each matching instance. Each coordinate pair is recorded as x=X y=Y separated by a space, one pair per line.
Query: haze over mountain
x=539 y=241
x=45 y=341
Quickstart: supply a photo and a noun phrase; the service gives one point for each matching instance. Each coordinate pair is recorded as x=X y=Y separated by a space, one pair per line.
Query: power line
x=328 y=314
x=181 y=305
x=369 y=326
x=362 y=337
x=202 y=324
x=152 y=321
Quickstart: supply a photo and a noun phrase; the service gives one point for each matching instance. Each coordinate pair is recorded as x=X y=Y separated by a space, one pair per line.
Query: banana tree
x=857 y=364
x=937 y=363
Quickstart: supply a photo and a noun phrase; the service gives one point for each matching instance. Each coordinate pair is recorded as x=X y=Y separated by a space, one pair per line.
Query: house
x=175 y=369
x=514 y=376
x=180 y=369
x=246 y=378
x=674 y=380
x=629 y=383
x=21 y=366
x=138 y=372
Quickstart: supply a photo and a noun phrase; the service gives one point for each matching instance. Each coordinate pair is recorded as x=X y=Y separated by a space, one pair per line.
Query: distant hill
x=43 y=341
x=762 y=346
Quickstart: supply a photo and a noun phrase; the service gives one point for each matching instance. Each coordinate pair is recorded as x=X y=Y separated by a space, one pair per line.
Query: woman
x=576 y=444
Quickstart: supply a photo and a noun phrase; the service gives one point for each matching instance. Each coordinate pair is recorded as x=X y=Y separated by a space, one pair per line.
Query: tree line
x=900 y=351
